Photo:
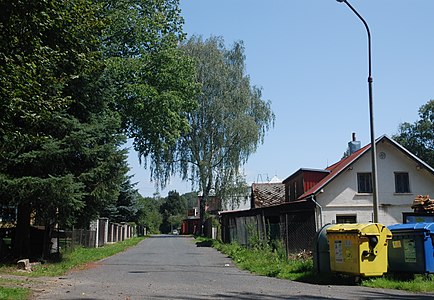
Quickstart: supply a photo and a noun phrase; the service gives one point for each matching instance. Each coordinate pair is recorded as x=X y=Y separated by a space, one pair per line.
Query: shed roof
x=267 y=194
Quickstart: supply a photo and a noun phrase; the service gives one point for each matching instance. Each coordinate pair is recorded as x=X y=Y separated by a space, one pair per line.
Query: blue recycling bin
x=411 y=249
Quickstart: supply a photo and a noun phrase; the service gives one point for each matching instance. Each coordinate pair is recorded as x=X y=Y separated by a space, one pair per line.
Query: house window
x=402 y=182
x=364 y=183
x=346 y=219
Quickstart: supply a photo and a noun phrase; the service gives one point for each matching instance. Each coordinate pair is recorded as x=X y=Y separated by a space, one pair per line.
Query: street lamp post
x=371 y=118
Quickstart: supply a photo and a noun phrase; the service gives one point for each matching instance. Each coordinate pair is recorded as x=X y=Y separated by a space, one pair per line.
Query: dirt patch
x=37 y=285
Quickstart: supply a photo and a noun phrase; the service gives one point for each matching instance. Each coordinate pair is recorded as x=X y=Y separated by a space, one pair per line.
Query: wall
x=340 y=197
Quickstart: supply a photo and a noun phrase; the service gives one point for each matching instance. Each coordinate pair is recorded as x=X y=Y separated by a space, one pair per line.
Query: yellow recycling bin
x=358 y=249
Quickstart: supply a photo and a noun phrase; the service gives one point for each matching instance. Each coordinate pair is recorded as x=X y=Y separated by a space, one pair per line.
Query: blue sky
x=310 y=59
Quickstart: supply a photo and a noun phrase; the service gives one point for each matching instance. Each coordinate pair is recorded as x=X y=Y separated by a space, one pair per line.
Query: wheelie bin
x=321 y=252
x=358 y=249
x=411 y=249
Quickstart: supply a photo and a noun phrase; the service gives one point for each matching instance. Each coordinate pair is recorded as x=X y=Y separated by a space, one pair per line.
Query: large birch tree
x=229 y=124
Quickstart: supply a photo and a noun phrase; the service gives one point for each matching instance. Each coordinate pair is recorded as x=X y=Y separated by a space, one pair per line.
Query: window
x=346 y=219
x=402 y=182
x=364 y=183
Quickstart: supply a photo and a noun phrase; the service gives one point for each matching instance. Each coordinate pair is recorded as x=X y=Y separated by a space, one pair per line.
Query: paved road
x=173 y=267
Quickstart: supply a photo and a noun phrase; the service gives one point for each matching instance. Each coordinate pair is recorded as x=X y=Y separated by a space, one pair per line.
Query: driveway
x=173 y=267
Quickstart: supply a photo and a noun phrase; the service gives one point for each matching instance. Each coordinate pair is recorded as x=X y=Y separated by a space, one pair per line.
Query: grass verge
x=414 y=283
x=262 y=260
x=14 y=293
x=272 y=262
x=77 y=258
x=12 y=289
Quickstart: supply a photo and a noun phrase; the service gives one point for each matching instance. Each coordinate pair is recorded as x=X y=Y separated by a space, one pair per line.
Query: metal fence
x=77 y=237
x=293 y=228
x=298 y=231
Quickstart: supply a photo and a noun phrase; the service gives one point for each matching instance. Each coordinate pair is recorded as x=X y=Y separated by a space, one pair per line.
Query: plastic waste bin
x=321 y=252
x=359 y=249
x=411 y=249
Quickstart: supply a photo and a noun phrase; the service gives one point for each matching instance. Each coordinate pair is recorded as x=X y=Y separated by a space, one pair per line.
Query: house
x=342 y=192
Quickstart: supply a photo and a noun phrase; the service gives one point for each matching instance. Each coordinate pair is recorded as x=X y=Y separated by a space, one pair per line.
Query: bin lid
x=412 y=227
x=359 y=228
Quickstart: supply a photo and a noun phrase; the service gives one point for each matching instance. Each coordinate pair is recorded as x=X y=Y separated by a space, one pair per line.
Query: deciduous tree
x=419 y=136
x=229 y=124
x=150 y=78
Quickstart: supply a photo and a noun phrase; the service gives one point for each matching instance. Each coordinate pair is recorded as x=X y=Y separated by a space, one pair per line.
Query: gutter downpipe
x=312 y=197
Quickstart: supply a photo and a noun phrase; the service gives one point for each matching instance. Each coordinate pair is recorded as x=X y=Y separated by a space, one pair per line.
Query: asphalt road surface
x=173 y=267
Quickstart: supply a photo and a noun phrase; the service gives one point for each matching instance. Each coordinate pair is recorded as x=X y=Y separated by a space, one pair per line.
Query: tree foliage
x=60 y=156
x=173 y=211
x=126 y=208
x=419 y=136
x=149 y=214
x=148 y=75
x=75 y=77
x=229 y=124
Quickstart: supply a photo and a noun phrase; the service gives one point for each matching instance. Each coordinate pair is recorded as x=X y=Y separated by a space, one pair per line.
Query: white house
x=343 y=191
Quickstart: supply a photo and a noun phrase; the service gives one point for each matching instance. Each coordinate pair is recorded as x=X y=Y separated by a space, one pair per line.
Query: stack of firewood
x=423 y=204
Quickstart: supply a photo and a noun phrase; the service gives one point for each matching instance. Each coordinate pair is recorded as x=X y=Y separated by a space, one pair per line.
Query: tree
x=149 y=214
x=419 y=136
x=173 y=211
x=229 y=124
x=126 y=207
x=77 y=75
x=150 y=78
x=59 y=146
x=191 y=199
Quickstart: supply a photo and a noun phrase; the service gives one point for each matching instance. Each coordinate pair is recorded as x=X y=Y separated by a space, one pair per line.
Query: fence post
x=102 y=231
x=93 y=227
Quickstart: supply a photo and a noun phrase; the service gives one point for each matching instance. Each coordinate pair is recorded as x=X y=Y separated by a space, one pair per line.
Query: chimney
x=354 y=145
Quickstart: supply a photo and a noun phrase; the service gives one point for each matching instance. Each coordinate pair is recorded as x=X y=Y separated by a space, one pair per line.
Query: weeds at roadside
x=271 y=261
x=267 y=260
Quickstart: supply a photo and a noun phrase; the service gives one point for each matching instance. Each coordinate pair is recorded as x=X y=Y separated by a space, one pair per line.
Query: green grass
x=416 y=283
x=9 y=290
x=79 y=257
x=263 y=260
x=14 y=293
x=76 y=258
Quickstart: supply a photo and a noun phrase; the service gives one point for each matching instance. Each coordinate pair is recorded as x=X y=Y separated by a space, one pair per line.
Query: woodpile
x=423 y=204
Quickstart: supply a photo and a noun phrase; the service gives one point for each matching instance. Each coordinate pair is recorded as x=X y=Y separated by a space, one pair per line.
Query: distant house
x=237 y=202
x=342 y=192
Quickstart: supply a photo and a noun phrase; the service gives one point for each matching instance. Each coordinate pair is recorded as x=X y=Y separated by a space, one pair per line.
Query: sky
x=310 y=58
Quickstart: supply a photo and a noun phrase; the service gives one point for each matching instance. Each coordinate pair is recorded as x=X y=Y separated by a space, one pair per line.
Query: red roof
x=343 y=164
x=334 y=170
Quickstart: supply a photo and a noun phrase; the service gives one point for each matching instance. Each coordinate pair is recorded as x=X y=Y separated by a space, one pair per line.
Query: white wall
x=340 y=197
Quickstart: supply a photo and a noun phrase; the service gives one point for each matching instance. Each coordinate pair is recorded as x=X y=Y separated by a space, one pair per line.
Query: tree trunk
x=206 y=184
x=202 y=214
x=21 y=243
x=46 y=248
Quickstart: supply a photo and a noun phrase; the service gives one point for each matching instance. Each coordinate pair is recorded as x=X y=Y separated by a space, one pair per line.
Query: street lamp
x=371 y=118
